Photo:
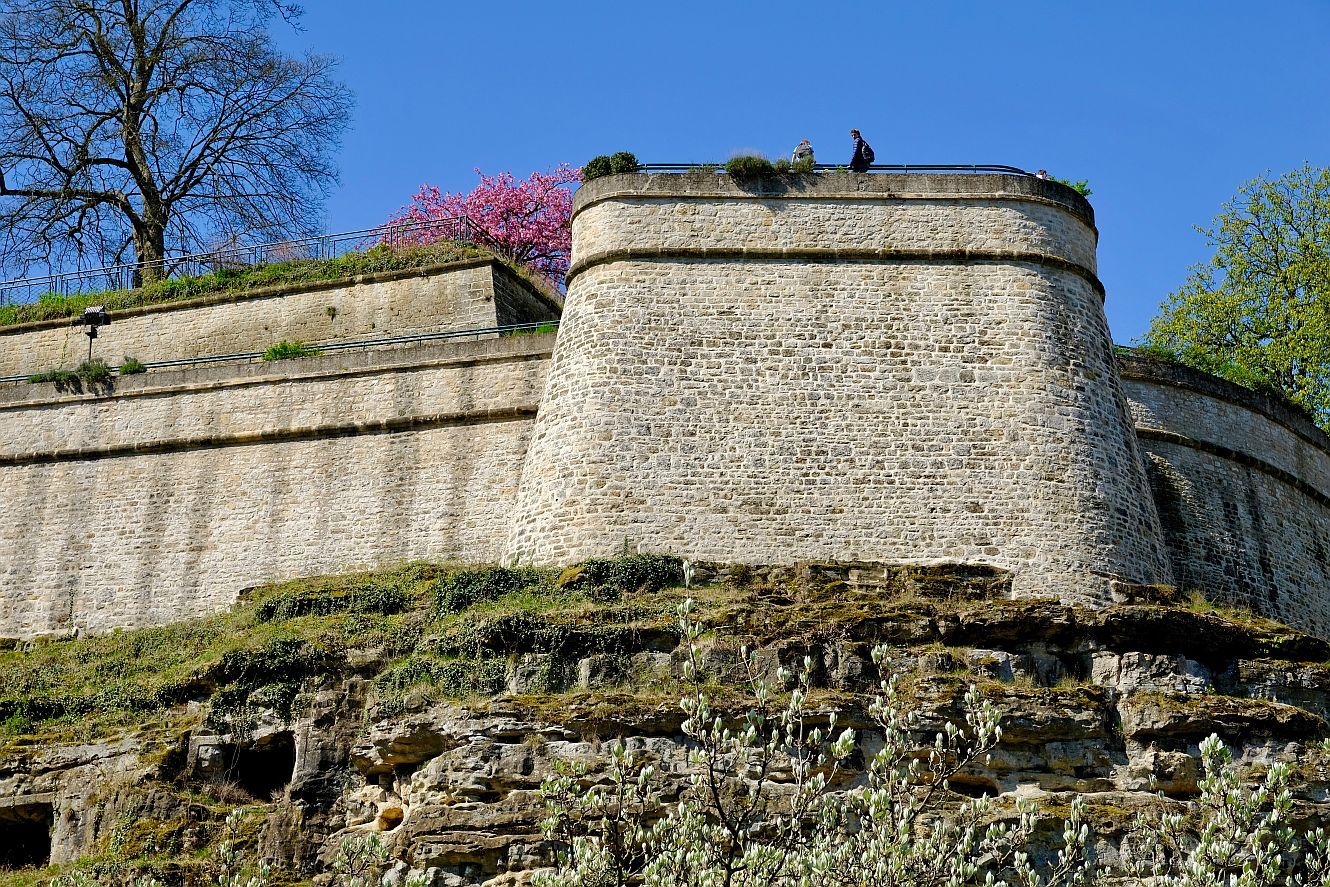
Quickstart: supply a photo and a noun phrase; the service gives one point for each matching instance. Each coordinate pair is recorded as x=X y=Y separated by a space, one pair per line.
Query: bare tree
x=130 y=128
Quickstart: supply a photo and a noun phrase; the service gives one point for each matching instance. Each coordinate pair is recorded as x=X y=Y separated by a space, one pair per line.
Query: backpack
x=868 y=153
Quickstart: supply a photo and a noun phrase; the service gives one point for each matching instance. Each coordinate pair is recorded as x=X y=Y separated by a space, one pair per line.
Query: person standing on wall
x=803 y=153
x=863 y=153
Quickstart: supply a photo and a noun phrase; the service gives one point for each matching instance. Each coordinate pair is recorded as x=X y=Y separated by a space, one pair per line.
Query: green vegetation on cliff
x=416 y=682
x=420 y=625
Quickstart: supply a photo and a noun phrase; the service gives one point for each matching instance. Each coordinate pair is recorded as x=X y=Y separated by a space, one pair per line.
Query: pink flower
x=530 y=219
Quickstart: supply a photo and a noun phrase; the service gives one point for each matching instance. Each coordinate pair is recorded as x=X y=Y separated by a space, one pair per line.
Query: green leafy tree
x=1258 y=312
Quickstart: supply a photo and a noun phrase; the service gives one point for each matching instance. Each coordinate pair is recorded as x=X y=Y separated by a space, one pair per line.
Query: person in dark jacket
x=863 y=154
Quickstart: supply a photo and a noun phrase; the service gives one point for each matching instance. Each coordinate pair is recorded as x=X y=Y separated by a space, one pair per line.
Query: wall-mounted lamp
x=93 y=318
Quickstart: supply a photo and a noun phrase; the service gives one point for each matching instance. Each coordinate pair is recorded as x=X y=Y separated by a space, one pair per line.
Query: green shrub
x=462 y=589
x=609 y=165
x=623 y=162
x=749 y=167
x=611 y=578
x=803 y=164
x=1081 y=187
x=285 y=350
x=61 y=378
x=374 y=597
x=95 y=372
x=597 y=168
x=455 y=678
x=132 y=366
x=781 y=165
x=1149 y=352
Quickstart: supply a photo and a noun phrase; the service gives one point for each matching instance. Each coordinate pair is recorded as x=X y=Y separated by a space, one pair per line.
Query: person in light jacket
x=801 y=151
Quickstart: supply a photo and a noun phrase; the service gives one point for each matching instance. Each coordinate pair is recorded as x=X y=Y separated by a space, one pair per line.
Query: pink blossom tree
x=530 y=219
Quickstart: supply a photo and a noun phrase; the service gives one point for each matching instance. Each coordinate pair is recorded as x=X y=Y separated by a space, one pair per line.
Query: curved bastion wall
x=889 y=368
x=1241 y=483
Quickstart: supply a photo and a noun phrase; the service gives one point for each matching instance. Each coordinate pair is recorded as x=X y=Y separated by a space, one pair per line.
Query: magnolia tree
x=531 y=219
x=761 y=808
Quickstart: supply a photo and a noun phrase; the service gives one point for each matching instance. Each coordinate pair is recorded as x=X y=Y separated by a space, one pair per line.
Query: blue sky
x=1165 y=107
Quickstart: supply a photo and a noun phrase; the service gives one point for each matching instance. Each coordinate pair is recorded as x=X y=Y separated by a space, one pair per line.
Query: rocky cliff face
x=445 y=763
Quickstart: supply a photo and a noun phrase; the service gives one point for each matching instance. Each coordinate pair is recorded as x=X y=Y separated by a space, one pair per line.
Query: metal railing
x=516 y=329
x=326 y=246
x=876 y=167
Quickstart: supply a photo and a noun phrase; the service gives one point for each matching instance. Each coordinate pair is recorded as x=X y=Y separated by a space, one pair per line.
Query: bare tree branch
x=157 y=126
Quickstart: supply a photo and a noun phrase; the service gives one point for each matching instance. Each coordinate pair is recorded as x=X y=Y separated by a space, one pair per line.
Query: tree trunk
x=149 y=251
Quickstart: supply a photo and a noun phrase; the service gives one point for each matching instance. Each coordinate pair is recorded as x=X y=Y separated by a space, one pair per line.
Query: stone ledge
x=157 y=383
x=838 y=186
x=831 y=254
x=1144 y=369
x=314 y=432
x=1243 y=459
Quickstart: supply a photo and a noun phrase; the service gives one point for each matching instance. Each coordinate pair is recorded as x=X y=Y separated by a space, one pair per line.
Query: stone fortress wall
x=888 y=368
x=165 y=500
x=882 y=368
x=469 y=294
x=1241 y=483
x=167 y=495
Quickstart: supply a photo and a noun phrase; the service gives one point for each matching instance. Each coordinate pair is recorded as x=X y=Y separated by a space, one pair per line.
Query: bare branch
x=170 y=125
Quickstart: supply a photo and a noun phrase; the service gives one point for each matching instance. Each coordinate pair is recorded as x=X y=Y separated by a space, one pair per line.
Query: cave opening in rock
x=26 y=835
x=264 y=769
x=974 y=786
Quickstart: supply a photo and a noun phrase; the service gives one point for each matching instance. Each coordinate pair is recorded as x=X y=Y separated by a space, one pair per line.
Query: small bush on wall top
x=62 y=379
x=609 y=165
x=1081 y=186
x=749 y=166
x=285 y=350
x=95 y=371
x=132 y=366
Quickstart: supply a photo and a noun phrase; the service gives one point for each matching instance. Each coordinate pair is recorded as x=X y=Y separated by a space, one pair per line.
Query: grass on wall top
x=377 y=259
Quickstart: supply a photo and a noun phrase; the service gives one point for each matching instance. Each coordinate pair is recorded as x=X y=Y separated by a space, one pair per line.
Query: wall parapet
x=468 y=294
x=835 y=186
x=1146 y=369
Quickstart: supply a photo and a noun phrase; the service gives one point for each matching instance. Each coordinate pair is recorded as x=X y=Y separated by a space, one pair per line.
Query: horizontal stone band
x=830 y=255
x=1244 y=459
x=284 y=435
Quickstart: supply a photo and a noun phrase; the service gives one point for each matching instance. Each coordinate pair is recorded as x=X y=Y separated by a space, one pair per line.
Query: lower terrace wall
x=1242 y=486
x=166 y=498
x=470 y=294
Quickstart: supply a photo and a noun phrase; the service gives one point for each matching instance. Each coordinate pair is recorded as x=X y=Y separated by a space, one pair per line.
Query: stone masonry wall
x=471 y=294
x=881 y=368
x=1242 y=487
x=164 y=499
x=517 y=300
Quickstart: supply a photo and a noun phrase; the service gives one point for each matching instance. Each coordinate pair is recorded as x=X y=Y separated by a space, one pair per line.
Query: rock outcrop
x=1107 y=703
